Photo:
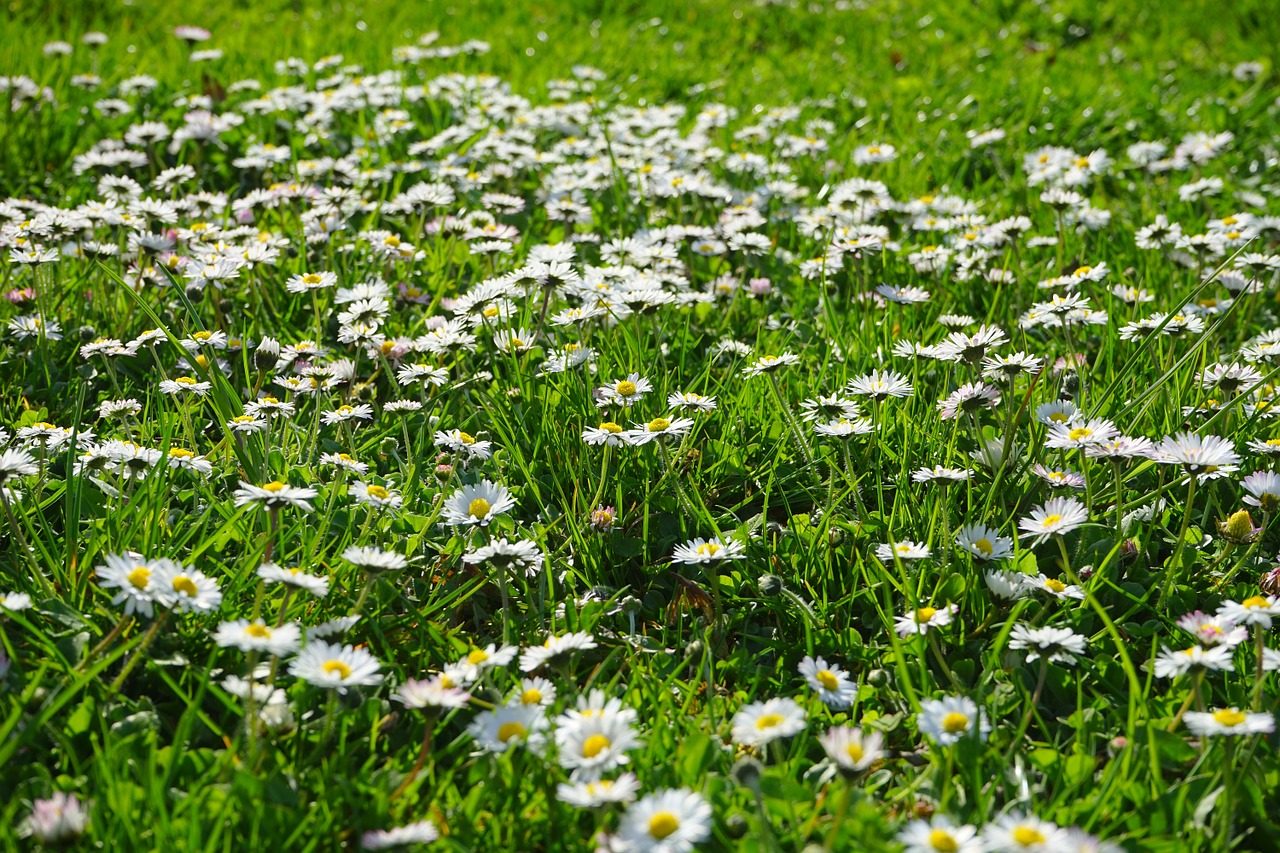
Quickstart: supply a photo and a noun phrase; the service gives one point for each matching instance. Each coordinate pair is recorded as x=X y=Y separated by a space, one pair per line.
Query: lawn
x=639 y=426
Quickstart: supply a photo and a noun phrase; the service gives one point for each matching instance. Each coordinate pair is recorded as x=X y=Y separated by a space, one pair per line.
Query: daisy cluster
x=361 y=406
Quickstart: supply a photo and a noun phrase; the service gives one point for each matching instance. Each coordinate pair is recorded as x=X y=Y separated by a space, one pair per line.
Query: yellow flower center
x=1256 y=601
x=1079 y=433
x=1051 y=519
x=507 y=731
x=709 y=549
x=827 y=679
x=478 y=508
x=1229 y=717
x=1055 y=585
x=532 y=696
x=274 y=486
x=1027 y=836
x=854 y=751
x=955 y=723
x=181 y=453
x=926 y=614
x=466 y=438
x=984 y=545
x=202 y=360
x=516 y=343
x=140 y=577
x=185 y=380
x=658 y=424
x=378 y=492
x=311 y=278
x=477 y=657
x=611 y=427
x=1058 y=418
x=625 y=388
x=1085 y=270
x=943 y=841
x=768 y=721
x=337 y=667
x=594 y=745
x=185 y=585
x=663 y=824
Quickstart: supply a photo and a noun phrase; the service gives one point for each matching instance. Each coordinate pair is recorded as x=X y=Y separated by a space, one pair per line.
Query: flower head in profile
x=769 y=364
x=1056 y=645
x=418 y=832
x=708 y=551
x=275 y=495
x=1230 y=722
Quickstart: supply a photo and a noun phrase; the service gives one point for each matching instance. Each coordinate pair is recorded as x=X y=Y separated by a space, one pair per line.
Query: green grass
x=135 y=718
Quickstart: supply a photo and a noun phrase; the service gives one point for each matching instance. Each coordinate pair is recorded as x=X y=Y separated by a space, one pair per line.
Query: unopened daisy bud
x=1269 y=582
x=1238 y=528
x=195 y=293
x=267 y=354
x=444 y=471
x=736 y=825
x=747 y=772
x=87 y=334
x=388 y=446
x=770 y=584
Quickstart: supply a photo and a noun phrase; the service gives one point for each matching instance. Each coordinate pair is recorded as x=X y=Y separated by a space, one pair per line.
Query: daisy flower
x=1230 y=722
x=939 y=835
x=658 y=428
x=608 y=433
x=852 y=749
x=904 y=550
x=589 y=747
x=274 y=496
x=138 y=581
x=708 y=551
x=880 y=385
x=418 y=832
x=830 y=682
x=335 y=667
x=951 y=718
x=1196 y=454
x=625 y=392
x=186 y=589
x=1255 y=610
x=477 y=504
x=509 y=726
x=430 y=693
x=535 y=656
x=1015 y=832
x=1055 y=517
x=920 y=620
x=763 y=722
x=1053 y=586
x=1056 y=645
x=373 y=559
x=984 y=543
x=1171 y=663
x=600 y=792
x=374 y=496
x=666 y=821
x=295 y=577
x=769 y=364
x=257 y=636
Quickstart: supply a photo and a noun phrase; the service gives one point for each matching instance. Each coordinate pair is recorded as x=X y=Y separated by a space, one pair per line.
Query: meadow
x=639 y=426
